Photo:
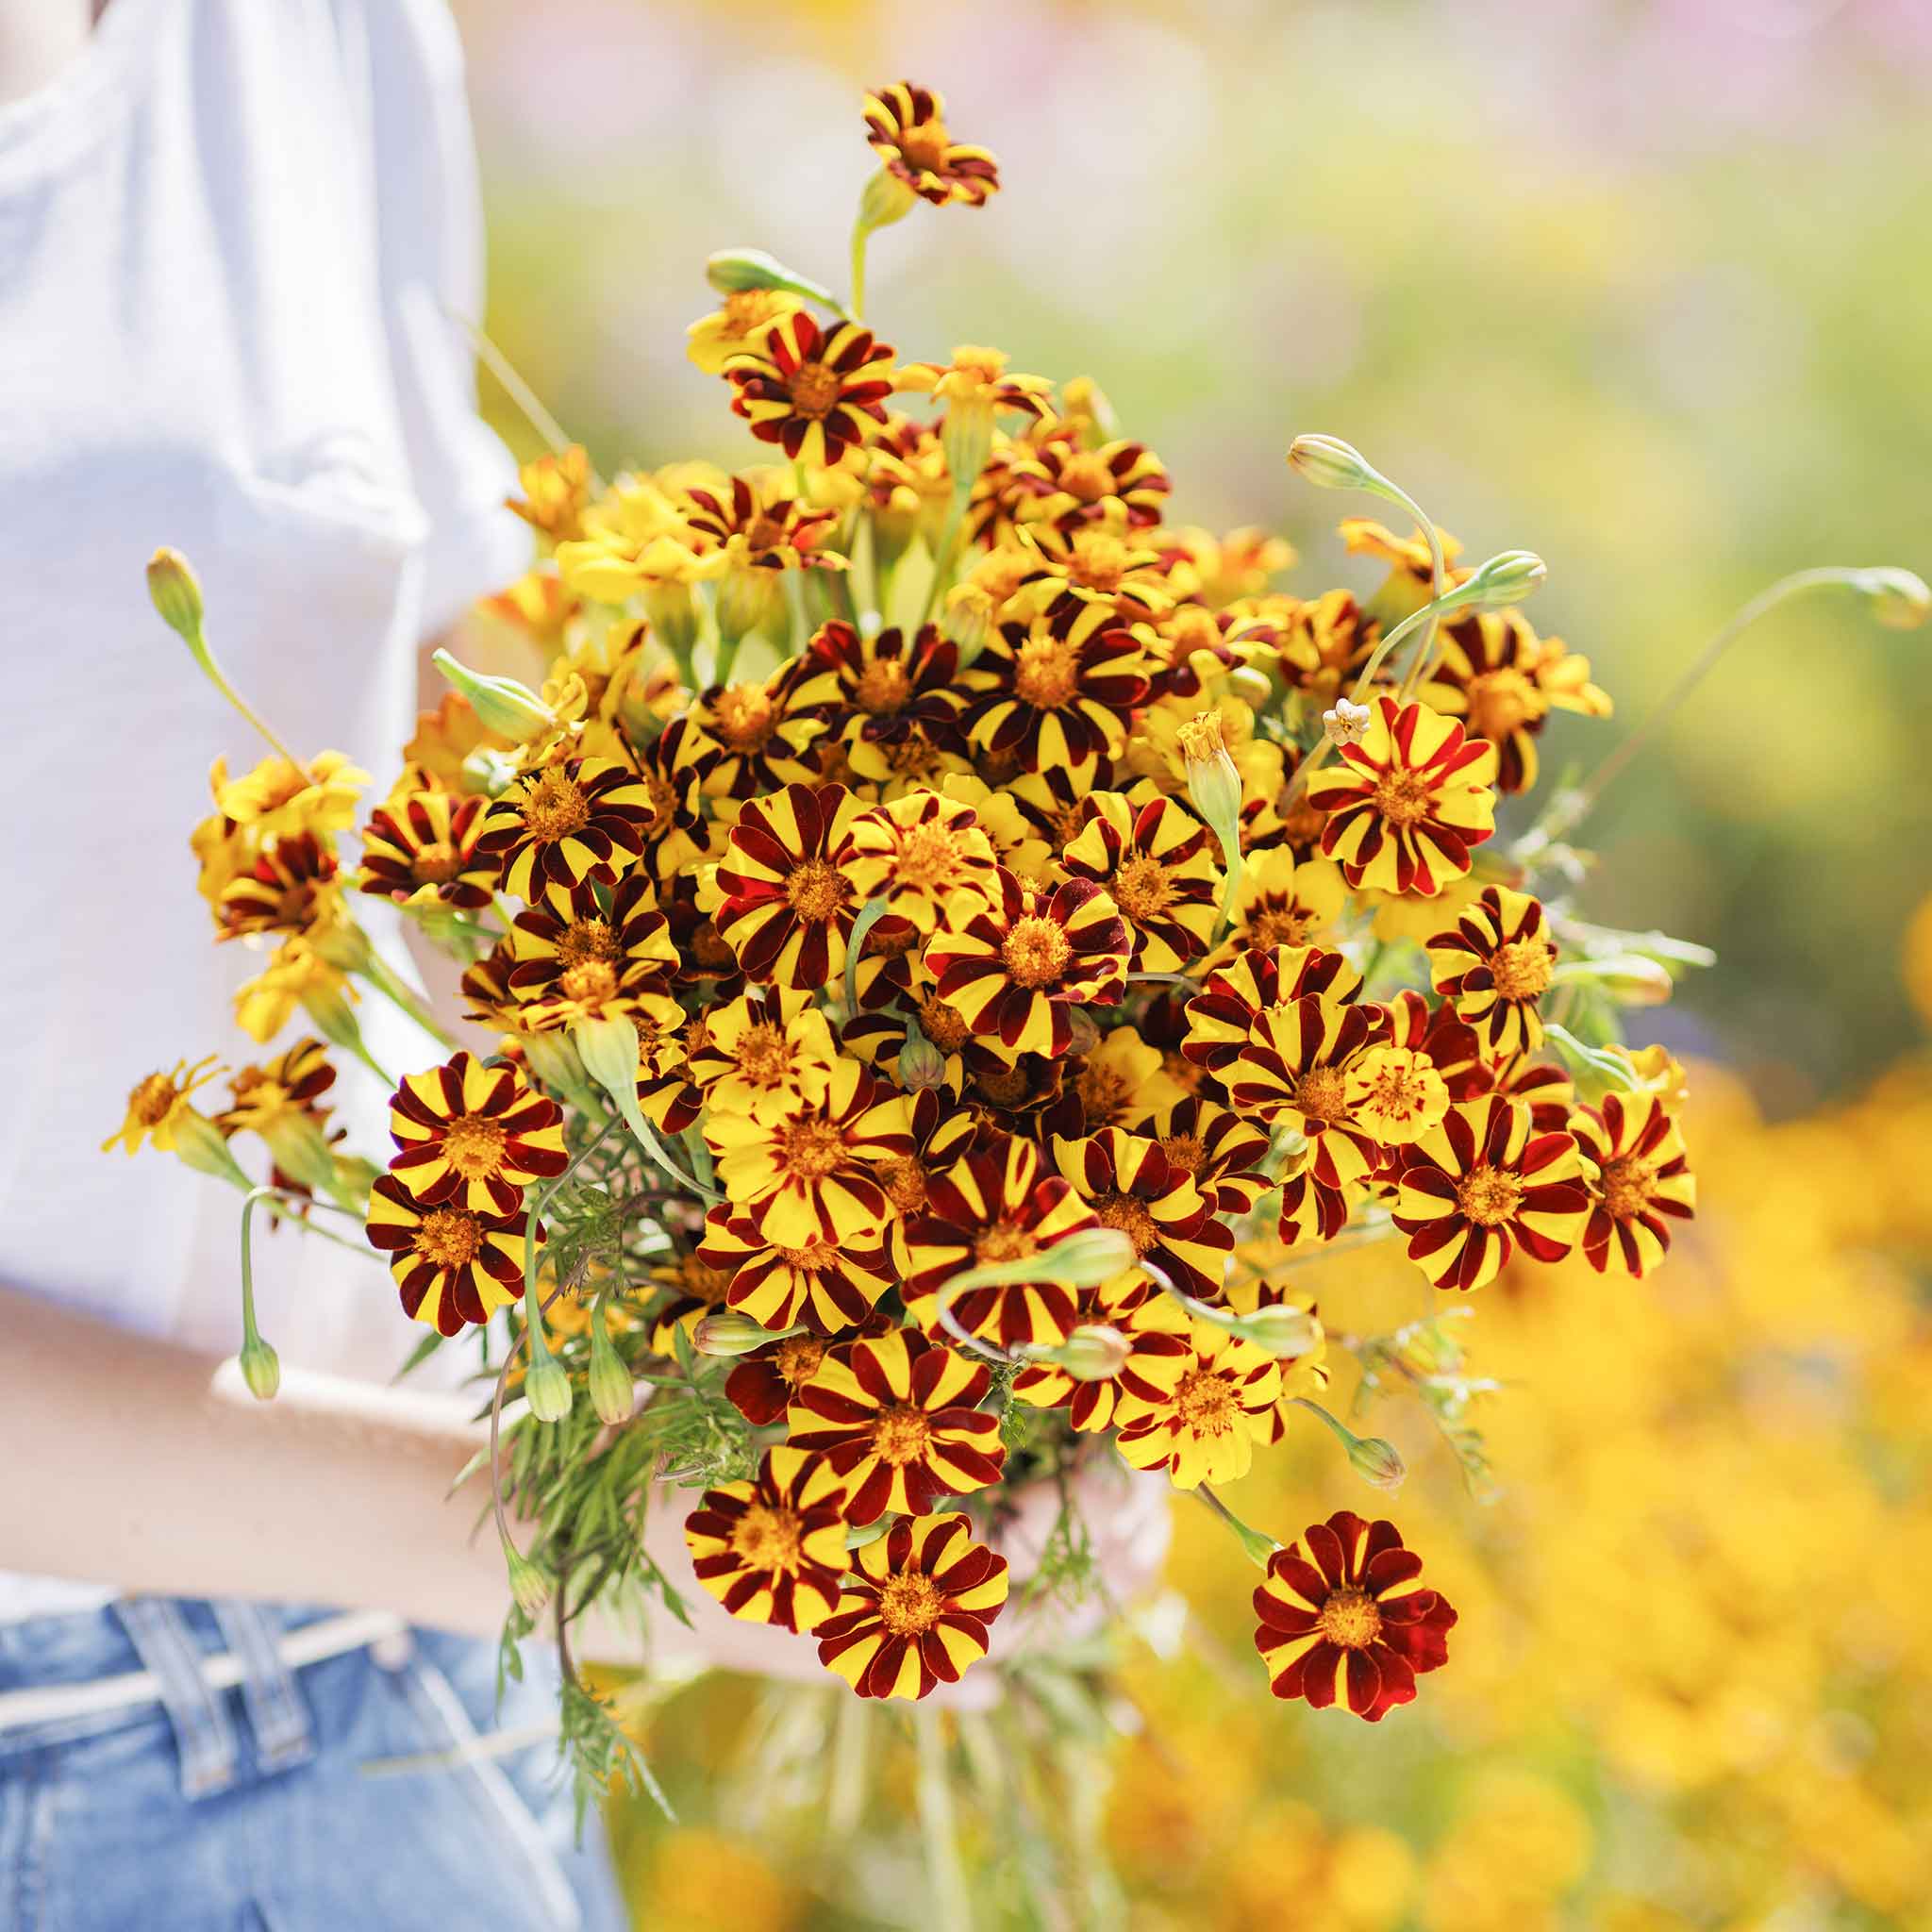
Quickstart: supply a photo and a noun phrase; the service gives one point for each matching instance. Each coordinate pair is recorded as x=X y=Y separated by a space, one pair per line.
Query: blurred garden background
x=1642 y=288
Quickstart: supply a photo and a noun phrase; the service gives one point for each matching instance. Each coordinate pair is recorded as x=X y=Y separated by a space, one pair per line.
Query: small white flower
x=1347 y=723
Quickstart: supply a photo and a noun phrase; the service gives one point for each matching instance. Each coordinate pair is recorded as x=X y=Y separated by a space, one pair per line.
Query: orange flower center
x=553 y=806
x=1322 y=1094
x=814 y=391
x=1099 y=562
x=1003 y=1086
x=924 y=146
x=743 y=716
x=1402 y=797
x=1206 y=1402
x=815 y=890
x=434 y=864
x=1103 y=1092
x=1142 y=888
x=449 y=1237
x=764 y=1055
x=1487 y=1196
x=1627 y=1186
x=1185 y=1151
x=797 y=1358
x=1501 y=702
x=909 y=1605
x=1086 y=477
x=882 y=687
x=1351 y=1619
x=473 y=1146
x=1046 y=672
x=811 y=1149
x=589 y=984
x=1004 y=1242
x=941 y=1024
x=901 y=1435
x=766 y=1538
x=928 y=858
x=1280 y=926
x=904 y=1181
x=1522 y=968
x=1036 y=952
x=152 y=1101
x=585 y=941
x=1130 y=1217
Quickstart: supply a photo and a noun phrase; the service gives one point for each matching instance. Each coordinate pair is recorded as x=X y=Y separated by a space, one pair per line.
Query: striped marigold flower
x=1483 y=1183
x=917 y=1606
x=1219 y=1150
x=157 y=1106
x=288 y=1084
x=1205 y=1428
x=813 y=1175
x=1155 y=861
x=1282 y=901
x=763 y=1383
x=915 y=852
x=747 y=739
x=788 y=880
x=1013 y=969
x=422 y=848
x=760 y=524
x=1048 y=698
x=453 y=1264
x=1129 y=1184
x=993 y=1205
x=584 y=819
x=290 y=887
x=767 y=1053
x=579 y=955
x=1406 y=805
x=473 y=1135
x=1091 y=563
x=1233 y=997
x=1294 y=1069
x=905 y=126
x=1159 y=1337
x=1350 y=1621
x=899 y=1419
x=834 y=1285
x=1496 y=964
x=1395 y=1093
x=898 y=694
x=1642 y=1181
x=773 y=1550
x=1121 y=486
x=814 y=393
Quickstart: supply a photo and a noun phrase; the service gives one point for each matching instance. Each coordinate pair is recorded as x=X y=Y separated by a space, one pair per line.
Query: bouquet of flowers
x=949 y=946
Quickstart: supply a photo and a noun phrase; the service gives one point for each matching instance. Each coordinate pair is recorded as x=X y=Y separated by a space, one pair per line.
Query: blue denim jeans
x=253 y=1810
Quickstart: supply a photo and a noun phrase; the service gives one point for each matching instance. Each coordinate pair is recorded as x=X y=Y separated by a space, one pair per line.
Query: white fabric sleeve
x=429 y=238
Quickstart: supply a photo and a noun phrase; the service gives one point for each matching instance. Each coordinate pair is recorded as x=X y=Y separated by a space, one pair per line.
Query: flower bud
x=1899 y=599
x=546 y=1387
x=1214 y=785
x=1376 y=1463
x=528 y=1583
x=971 y=614
x=553 y=1061
x=1507 y=577
x=301 y=1150
x=921 y=1063
x=1329 y=463
x=1094 y=1352
x=199 y=1143
x=175 y=594
x=887 y=199
x=608 y=1048
x=1632 y=980
x=1347 y=723
x=501 y=703
x=1085 y=1259
x=729 y=1333
x=613 y=1394
x=489 y=770
x=1282 y=1328
x=260 y=1369
x=732 y=270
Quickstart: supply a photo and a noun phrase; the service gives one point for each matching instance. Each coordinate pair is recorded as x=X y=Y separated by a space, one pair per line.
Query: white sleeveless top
x=231 y=237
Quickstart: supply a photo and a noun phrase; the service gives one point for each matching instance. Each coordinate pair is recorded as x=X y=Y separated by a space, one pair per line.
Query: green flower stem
x=397 y=990
x=869 y=916
x=533 y=1308
x=1259 y=1548
x=518 y=390
x=861 y=234
x=945 y=1869
x=948 y=544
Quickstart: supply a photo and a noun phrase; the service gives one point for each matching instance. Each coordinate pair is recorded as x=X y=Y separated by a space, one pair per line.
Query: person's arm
x=38 y=38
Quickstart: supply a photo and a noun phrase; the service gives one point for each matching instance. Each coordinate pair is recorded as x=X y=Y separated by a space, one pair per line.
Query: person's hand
x=1126 y=1514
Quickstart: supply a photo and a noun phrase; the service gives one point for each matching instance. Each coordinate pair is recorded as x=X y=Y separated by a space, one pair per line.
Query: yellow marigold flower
x=1642 y=1181
x=773 y=1550
x=536 y=606
x=1495 y=963
x=976 y=379
x=295 y=975
x=1481 y=1184
x=584 y=819
x=712 y=340
x=473 y=1135
x=1205 y=1428
x=556 y=489
x=422 y=848
x=813 y=1173
x=749 y=740
x=1153 y=858
x=1221 y=570
x=1089 y=564
x=1130 y=1184
x=1396 y=1093
x=1122 y=1083
x=905 y=126
x=292 y=887
x=1407 y=559
x=1159 y=1337
x=767 y=1054
x=1406 y=805
x=157 y=1106
x=288 y=1085
x=916 y=851
x=790 y=888
x=274 y=799
x=1121 y=484
x=832 y=1286
x=612 y=564
x=1282 y=901
x=816 y=393
x=576 y=955
x=899 y=1418
x=453 y=1265
x=447 y=735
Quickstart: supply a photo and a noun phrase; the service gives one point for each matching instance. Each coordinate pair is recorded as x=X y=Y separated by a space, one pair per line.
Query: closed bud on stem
x=500 y=703
x=199 y=1143
x=1094 y=1352
x=921 y=1063
x=1283 y=1329
x=547 y=1387
x=553 y=1061
x=528 y=1583
x=608 y=1049
x=970 y=615
x=732 y=270
x=1085 y=1259
x=1628 y=978
x=1214 y=785
x=613 y=1395
x=858 y=1534
x=302 y=1151
x=1899 y=599
x=730 y=1333
x=887 y=199
x=1507 y=577
x=1377 y=1461
x=490 y=771
x=175 y=593
x=260 y=1369
x=1329 y=463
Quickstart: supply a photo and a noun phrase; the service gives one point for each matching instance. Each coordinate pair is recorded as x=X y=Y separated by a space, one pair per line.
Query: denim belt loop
x=276 y=1713
x=203 y=1739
